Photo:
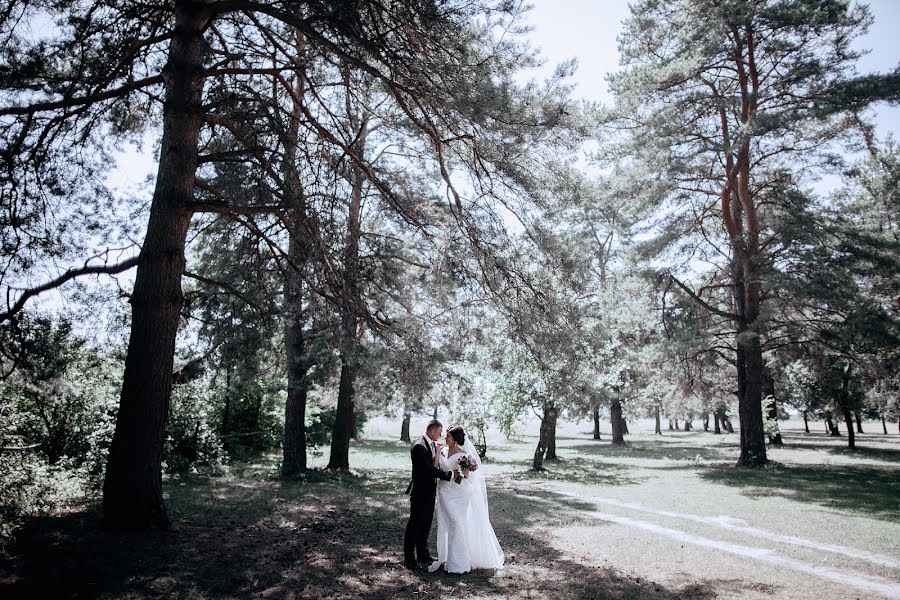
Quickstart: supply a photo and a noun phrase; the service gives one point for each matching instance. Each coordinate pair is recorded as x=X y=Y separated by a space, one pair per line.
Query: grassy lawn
x=665 y=517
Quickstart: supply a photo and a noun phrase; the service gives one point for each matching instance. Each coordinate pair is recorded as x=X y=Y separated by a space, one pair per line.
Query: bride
x=465 y=537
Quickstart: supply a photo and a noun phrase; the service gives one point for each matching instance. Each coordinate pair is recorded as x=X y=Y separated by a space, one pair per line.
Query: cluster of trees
x=359 y=207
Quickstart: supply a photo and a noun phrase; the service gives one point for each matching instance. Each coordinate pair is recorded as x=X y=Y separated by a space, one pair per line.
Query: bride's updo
x=458 y=435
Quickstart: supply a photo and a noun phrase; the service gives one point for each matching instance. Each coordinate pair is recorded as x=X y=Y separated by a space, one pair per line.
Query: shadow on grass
x=661 y=449
x=580 y=470
x=326 y=536
x=868 y=489
x=867 y=445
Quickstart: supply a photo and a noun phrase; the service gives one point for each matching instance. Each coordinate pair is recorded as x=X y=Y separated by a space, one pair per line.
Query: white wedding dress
x=465 y=537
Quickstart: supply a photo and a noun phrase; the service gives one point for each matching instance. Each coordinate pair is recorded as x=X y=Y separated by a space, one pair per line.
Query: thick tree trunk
x=596 y=422
x=354 y=426
x=750 y=367
x=294 y=447
x=657 y=428
x=716 y=427
x=404 y=427
x=728 y=426
x=615 y=418
x=858 y=417
x=805 y=422
x=132 y=488
x=343 y=419
x=550 y=417
x=706 y=421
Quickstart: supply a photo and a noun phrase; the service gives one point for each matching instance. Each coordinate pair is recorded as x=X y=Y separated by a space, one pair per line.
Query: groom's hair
x=432 y=424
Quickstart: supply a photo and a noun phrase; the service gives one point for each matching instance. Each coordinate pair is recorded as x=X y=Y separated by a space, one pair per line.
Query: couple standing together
x=465 y=537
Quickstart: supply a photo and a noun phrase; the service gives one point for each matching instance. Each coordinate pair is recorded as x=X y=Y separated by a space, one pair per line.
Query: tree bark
x=750 y=365
x=706 y=421
x=671 y=427
x=625 y=426
x=132 y=488
x=805 y=422
x=858 y=417
x=677 y=428
x=772 y=414
x=688 y=423
x=830 y=426
x=884 y=425
x=537 y=463
x=657 y=429
x=716 y=427
x=294 y=446
x=597 y=422
x=550 y=416
x=404 y=427
x=845 y=407
x=343 y=419
x=615 y=418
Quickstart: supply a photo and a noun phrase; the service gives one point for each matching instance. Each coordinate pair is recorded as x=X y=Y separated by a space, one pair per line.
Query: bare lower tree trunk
x=706 y=421
x=625 y=426
x=132 y=488
x=543 y=443
x=753 y=441
x=830 y=426
x=657 y=429
x=805 y=422
x=844 y=402
x=550 y=417
x=716 y=427
x=343 y=419
x=677 y=428
x=671 y=426
x=615 y=418
x=858 y=417
x=404 y=427
x=688 y=422
x=597 y=422
x=884 y=425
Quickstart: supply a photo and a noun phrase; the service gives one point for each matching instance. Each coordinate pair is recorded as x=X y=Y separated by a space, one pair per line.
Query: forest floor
x=663 y=518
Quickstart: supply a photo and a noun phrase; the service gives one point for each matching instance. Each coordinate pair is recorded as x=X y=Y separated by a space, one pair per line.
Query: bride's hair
x=458 y=435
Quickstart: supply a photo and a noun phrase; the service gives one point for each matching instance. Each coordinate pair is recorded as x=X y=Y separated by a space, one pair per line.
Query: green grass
x=339 y=535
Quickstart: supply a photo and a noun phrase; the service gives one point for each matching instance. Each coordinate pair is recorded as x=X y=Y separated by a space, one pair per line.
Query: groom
x=421 y=500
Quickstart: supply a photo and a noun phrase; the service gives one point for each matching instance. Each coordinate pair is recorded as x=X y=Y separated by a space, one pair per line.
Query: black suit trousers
x=421 y=514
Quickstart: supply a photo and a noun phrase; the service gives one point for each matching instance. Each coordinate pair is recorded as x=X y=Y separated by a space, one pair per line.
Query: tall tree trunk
x=132 y=488
x=354 y=426
x=596 y=422
x=706 y=421
x=716 y=427
x=884 y=425
x=294 y=446
x=657 y=429
x=858 y=417
x=677 y=428
x=688 y=422
x=805 y=422
x=404 y=427
x=615 y=418
x=345 y=418
x=671 y=426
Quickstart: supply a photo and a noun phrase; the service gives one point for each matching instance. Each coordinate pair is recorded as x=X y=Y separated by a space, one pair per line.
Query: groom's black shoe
x=412 y=566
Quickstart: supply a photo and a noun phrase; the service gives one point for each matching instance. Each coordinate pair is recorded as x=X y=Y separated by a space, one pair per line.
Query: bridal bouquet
x=467 y=462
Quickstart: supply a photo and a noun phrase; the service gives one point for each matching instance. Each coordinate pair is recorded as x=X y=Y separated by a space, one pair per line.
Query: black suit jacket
x=424 y=472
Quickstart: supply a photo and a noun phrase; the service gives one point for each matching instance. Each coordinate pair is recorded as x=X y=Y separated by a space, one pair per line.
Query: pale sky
x=587 y=30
